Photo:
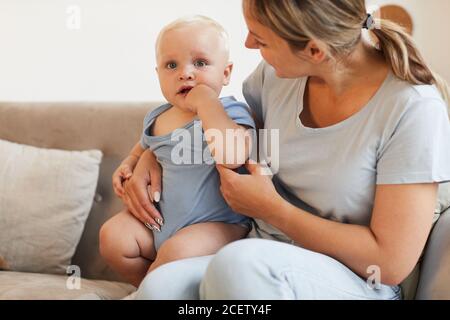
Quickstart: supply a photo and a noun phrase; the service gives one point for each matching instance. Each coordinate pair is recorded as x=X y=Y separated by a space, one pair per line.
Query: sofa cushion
x=34 y=286
x=112 y=127
x=45 y=198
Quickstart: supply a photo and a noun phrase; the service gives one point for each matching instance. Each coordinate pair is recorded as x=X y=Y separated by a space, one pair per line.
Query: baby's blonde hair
x=195 y=19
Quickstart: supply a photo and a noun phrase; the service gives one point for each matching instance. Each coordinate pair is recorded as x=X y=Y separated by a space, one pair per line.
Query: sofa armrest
x=434 y=282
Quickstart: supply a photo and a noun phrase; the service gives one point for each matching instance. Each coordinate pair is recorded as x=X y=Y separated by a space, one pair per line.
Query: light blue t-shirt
x=190 y=182
x=402 y=136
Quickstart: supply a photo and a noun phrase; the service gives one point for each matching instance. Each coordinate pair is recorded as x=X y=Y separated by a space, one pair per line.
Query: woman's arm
x=401 y=221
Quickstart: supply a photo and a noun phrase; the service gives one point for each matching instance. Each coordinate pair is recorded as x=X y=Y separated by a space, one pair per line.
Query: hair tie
x=369 y=23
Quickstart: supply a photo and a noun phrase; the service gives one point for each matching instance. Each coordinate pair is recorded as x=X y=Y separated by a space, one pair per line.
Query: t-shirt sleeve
x=418 y=150
x=146 y=122
x=239 y=112
x=252 y=90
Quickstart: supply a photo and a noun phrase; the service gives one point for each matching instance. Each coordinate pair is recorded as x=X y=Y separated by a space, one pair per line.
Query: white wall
x=431 y=30
x=111 y=56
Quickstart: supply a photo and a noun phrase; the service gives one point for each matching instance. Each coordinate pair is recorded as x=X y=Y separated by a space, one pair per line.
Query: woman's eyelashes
x=260 y=44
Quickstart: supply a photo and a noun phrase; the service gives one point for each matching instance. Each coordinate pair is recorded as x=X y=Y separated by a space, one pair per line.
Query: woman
x=364 y=142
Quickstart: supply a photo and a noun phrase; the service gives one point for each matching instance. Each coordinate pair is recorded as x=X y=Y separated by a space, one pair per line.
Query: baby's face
x=190 y=55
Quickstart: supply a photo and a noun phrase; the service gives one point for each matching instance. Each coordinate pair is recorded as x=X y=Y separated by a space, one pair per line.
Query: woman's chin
x=286 y=74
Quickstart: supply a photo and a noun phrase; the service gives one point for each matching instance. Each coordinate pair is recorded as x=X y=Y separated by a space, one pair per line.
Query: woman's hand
x=142 y=189
x=253 y=195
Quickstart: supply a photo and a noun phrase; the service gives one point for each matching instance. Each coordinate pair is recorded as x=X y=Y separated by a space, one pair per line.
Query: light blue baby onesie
x=190 y=181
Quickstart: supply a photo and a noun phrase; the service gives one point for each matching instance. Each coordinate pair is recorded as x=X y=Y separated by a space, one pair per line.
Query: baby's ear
x=227 y=73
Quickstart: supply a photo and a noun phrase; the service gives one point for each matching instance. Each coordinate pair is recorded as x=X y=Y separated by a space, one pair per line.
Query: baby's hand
x=198 y=96
x=122 y=173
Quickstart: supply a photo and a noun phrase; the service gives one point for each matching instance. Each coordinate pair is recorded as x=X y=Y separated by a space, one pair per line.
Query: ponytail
x=338 y=24
x=404 y=57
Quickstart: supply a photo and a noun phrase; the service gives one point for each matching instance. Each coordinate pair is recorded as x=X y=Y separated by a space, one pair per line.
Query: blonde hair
x=338 y=23
x=196 y=19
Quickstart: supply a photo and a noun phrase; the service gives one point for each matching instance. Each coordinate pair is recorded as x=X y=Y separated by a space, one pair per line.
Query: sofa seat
x=35 y=286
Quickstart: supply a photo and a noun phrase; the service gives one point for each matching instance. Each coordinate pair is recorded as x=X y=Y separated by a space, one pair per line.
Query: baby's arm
x=230 y=144
x=125 y=169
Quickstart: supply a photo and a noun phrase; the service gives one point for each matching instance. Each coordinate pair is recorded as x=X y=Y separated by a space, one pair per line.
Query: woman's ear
x=227 y=73
x=315 y=51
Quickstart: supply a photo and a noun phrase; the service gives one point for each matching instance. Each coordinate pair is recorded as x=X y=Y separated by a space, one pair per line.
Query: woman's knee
x=240 y=254
x=154 y=286
x=232 y=266
x=178 y=280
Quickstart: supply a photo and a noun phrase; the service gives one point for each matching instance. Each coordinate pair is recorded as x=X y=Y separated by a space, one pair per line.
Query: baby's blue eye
x=171 y=65
x=200 y=63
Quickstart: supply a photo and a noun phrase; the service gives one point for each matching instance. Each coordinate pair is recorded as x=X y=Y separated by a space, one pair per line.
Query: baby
x=189 y=135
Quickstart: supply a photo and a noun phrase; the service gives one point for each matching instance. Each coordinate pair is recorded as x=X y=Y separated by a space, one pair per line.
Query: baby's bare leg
x=196 y=240
x=127 y=246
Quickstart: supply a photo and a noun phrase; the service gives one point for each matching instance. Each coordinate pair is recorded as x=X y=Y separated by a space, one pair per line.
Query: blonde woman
x=364 y=143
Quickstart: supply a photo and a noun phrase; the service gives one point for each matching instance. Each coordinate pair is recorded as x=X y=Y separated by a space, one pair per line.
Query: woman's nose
x=250 y=42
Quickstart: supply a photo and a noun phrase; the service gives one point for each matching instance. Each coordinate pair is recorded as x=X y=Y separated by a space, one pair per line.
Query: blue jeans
x=260 y=269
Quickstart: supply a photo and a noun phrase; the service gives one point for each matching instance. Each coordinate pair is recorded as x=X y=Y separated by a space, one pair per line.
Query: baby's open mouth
x=185 y=90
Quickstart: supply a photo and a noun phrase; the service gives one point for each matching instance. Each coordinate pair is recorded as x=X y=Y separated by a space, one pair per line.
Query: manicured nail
x=148 y=225
x=157 y=196
x=155 y=227
x=160 y=221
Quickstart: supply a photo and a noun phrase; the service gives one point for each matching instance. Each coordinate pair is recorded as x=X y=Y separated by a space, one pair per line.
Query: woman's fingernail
x=148 y=225
x=160 y=221
x=155 y=227
x=157 y=196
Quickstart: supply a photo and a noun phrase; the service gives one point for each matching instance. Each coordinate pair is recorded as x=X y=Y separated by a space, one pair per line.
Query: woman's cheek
x=268 y=58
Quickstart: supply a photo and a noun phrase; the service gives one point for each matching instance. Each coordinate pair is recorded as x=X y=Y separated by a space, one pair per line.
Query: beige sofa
x=113 y=128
